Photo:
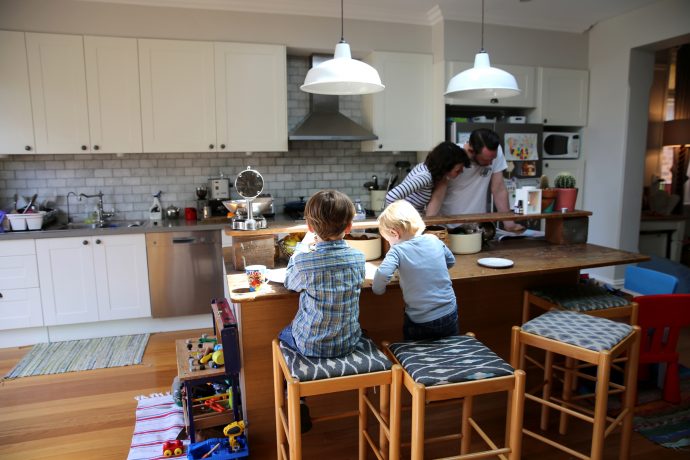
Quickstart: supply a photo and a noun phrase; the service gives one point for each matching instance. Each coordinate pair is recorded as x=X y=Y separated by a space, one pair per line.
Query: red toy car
x=171 y=448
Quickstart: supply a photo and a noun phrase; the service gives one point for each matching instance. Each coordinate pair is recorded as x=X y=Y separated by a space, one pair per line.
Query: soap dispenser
x=156 y=210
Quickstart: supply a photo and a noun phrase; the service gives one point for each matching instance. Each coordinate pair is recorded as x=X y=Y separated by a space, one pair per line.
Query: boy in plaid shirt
x=329 y=275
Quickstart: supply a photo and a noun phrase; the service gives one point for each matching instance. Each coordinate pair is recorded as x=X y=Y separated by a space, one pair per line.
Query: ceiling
x=562 y=15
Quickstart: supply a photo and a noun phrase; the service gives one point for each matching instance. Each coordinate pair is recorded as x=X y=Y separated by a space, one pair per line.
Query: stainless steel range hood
x=325 y=122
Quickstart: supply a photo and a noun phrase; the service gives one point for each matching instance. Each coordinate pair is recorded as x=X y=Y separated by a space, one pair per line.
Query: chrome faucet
x=69 y=219
x=101 y=215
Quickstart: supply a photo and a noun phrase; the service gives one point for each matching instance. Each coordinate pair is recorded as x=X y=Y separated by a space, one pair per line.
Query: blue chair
x=649 y=282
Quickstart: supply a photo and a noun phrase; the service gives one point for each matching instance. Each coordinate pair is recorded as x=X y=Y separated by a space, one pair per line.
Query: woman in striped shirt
x=445 y=162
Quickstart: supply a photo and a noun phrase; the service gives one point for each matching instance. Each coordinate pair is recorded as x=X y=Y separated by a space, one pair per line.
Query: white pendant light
x=342 y=75
x=482 y=81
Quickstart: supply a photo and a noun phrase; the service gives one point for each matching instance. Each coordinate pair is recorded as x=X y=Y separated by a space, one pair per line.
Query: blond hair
x=329 y=212
x=402 y=217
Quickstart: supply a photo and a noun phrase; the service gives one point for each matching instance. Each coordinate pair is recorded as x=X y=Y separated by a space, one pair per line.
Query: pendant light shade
x=483 y=81
x=342 y=75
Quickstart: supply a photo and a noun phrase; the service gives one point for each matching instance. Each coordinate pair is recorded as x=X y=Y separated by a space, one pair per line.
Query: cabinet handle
x=222 y=146
x=493 y=100
x=27 y=148
x=83 y=147
x=0 y=295
x=546 y=120
x=210 y=146
x=98 y=241
x=96 y=147
x=380 y=146
x=85 y=243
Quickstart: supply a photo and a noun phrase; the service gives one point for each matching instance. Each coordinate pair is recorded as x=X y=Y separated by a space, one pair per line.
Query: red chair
x=661 y=318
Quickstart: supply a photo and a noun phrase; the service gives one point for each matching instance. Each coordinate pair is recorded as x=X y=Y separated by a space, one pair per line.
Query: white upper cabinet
x=16 y=123
x=177 y=96
x=525 y=77
x=562 y=97
x=112 y=81
x=58 y=92
x=251 y=97
x=400 y=115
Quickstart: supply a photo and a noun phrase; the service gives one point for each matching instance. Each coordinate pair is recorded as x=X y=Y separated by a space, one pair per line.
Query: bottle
x=359 y=210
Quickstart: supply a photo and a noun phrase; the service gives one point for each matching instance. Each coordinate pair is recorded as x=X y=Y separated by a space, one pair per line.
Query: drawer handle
x=183 y=240
x=0 y=295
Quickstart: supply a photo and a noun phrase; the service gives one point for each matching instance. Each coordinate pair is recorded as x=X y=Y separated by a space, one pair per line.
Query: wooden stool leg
x=630 y=394
x=546 y=392
x=466 y=438
x=279 y=397
x=568 y=387
x=601 y=404
x=395 y=409
x=525 y=306
x=384 y=410
x=516 y=406
x=294 y=422
x=417 y=441
x=362 y=423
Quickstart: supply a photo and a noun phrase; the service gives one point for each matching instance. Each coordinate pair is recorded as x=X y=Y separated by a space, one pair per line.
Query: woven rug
x=81 y=355
x=158 y=419
x=663 y=423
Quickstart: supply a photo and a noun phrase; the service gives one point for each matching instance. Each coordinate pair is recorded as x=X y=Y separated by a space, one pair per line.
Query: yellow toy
x=232 y=431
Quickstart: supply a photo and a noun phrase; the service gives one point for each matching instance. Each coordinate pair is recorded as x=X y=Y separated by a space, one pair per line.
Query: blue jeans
x=441 y=327
x=287 y=337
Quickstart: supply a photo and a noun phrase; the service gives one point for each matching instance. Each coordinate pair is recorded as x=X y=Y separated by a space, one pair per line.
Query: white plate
x=495 y=262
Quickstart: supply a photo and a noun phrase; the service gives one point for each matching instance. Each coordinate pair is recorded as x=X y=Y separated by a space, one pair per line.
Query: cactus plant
x=544 y=182
x=564 y=180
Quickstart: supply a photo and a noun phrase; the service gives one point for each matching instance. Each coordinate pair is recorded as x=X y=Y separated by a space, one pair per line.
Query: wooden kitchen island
x=489 y=304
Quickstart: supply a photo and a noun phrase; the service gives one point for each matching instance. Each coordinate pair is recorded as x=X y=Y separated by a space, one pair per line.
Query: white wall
x=618 y=110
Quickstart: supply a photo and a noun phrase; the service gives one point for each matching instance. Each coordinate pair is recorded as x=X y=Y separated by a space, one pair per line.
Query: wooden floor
x=90 y=414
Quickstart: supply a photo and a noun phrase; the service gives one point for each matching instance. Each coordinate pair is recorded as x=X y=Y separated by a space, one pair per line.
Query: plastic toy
x=197 y=450
x=171 y=448
x=233 y=431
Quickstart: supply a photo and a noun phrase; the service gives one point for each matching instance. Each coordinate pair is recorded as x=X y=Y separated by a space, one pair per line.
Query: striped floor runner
x=80 y=355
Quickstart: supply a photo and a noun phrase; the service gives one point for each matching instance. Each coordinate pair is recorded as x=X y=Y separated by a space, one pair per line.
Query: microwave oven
x=561 y=145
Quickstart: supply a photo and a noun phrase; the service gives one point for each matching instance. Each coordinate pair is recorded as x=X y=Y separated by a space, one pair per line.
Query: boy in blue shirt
x=329 y=275
x=431 y=309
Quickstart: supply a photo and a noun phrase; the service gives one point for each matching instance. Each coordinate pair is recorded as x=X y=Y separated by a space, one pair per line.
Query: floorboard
x=90 y=414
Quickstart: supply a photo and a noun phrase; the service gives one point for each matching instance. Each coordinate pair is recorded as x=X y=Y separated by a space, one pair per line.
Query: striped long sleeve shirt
x=416 y=188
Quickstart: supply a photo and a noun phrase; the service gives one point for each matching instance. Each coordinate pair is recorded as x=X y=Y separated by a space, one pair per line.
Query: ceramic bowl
x=371 y=247
x=465 y=244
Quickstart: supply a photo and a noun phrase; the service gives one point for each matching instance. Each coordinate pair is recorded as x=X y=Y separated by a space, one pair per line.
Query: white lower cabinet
x=86 y=279
x=20 y=299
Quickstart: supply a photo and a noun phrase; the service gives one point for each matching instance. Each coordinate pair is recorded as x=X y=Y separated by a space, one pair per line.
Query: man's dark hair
x=483 y=137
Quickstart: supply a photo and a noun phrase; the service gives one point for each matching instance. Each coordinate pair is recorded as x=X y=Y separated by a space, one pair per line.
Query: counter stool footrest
x=561 y=447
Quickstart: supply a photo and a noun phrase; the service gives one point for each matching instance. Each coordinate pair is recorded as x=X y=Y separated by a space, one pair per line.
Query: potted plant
x=548 y=195
x=567 y=193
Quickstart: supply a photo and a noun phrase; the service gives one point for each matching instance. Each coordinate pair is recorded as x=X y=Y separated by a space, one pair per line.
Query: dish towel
x=158 y=419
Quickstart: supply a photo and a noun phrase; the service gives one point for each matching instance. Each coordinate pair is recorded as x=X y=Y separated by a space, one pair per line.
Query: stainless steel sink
x=111 y=224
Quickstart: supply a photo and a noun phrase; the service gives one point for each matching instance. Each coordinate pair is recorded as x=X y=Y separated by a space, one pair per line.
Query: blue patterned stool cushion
x=584 y=331
x=366 y=358
x=449 y=360
x=580 y=297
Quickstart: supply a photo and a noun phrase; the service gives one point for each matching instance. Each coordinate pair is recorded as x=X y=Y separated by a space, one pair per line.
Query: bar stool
x=366 y=367
x=459 y=367
x=594 y=341
x=583 y=298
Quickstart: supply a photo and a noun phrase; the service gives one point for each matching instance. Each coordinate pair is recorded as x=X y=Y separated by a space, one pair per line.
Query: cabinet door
x=551 y=168
x=525 y=77
x=58 y=93
x=67 y=279
x=112 y=81
x=400 y=115
x=122 y=281
x=20 y=308
x=16 y=124
x=563 y=97
x=177 y=96
x=251 y=97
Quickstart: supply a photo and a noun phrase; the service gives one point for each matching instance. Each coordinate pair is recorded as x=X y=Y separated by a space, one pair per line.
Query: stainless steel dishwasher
x=185 y=271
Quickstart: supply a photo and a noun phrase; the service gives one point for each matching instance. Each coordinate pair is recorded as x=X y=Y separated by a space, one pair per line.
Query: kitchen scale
x=249 y=185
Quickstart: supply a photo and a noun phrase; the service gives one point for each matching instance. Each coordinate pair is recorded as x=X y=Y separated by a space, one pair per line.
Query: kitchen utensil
x=172 y=212
x=465 y=243
x=495 y=262
x=378 y=200
x=249 y=185
x=31 y=203
x=367 y=243
x=190 y=214
x=376 y=182
x=201 y=192
x=219 y=187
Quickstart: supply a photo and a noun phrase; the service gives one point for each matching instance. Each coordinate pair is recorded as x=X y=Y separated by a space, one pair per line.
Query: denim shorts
x=287 y=337
x=441 y=327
